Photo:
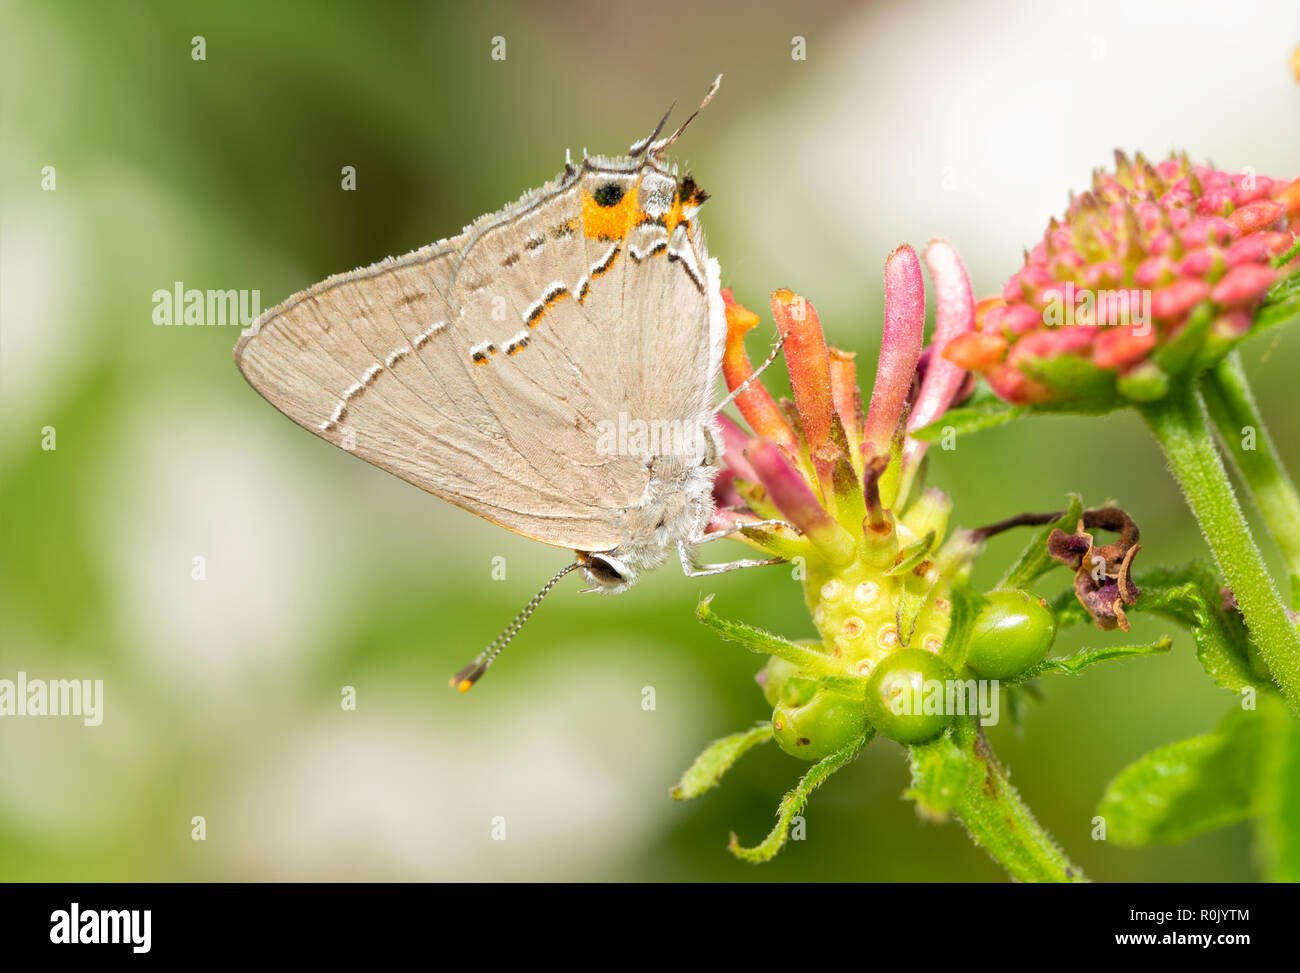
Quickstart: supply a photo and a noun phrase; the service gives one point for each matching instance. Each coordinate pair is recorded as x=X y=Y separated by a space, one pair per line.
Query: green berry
x=898 y=691
x=819 y=727
x=1012 y=634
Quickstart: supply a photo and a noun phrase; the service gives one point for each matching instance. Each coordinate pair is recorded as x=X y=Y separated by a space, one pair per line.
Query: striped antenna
x=657 y=148
x=642 y=144
x=473 y=672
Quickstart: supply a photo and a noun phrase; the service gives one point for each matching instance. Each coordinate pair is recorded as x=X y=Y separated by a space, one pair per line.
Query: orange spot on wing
x=610 y=222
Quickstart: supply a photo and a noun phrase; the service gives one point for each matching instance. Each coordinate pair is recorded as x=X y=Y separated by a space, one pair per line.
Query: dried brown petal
x=1103 y=580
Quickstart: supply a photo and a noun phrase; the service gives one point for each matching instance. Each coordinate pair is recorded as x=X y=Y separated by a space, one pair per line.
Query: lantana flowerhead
x=867 y=540
x=1157 y=270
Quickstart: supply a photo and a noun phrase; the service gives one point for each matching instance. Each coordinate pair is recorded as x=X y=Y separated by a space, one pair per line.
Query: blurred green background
x=969 y=120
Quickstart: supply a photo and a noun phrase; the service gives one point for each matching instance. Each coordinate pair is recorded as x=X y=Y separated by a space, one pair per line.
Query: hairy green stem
x=959 y=773
x=1241 y=428
x=1180 y=425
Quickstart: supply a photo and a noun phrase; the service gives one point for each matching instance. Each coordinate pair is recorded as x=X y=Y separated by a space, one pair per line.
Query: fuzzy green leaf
x=959 y=774
x=717 y=759
x=852 y=687
x=1087 y=388
x=1282 y=259
x=765 y=643
x=966 y=606
x=983 y=410
x=1073 y=664
x=1190 y=595
x=940 y=773
x=1174 y=354
x=1187 y=788
x=793 y=803
x=912 y=555
x=1281 y=304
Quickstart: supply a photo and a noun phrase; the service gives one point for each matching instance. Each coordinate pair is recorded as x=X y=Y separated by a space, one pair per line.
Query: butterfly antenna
x=473 y=672
x=657 y=148
x=640 y=146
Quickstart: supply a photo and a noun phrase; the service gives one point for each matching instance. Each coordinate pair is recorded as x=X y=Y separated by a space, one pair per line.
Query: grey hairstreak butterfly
x=550 y=369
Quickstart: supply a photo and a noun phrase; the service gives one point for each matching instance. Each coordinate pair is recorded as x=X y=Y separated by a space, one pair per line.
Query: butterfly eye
x=606 y=571
x=608 y=194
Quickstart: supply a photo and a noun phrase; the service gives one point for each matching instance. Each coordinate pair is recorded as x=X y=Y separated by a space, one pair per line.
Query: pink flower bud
x=1172 y=302
x=1243 y=284
x=900 y=346
x=1259 y=215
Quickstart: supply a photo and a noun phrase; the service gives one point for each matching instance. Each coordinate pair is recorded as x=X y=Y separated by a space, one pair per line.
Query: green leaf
x=1189 y=595
x=854 y=687
x=1173 y=354
x=983 y=410
x=1278 y=828
x=1281 y=304
x=912 y=600
x=793 y=803
x=1034 y=561
x=940 y=773
x=1089 y=389
x=1178 y=791
x=1073 y=664
x=912 y=555
x=765 y=643
x=717 y=759
x=1281 y=260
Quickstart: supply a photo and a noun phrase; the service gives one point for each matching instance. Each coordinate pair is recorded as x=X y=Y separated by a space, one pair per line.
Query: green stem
x=959 y=773
x=1180 y=425
x=1232 y=407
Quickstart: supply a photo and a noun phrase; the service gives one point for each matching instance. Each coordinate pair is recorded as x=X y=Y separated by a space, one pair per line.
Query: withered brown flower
x=1103 y=580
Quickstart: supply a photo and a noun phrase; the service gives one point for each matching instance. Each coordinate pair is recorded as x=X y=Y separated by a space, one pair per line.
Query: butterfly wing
x=385 y=362
x=486 y=369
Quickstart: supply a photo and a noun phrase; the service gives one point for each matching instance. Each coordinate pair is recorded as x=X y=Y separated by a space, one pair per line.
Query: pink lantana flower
x=867 y=539
x=1155 y=271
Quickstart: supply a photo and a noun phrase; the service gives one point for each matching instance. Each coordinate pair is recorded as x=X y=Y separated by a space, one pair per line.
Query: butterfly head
x=607 y=572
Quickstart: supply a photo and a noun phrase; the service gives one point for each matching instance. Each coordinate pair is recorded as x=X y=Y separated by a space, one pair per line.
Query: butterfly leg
x=692 y=570
x=776 y=351
x=737 y=528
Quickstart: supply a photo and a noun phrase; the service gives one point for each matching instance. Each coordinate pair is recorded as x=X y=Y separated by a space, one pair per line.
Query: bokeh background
x=970 y=120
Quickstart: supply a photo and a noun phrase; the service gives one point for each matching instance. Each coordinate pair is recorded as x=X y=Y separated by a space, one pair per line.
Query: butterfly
x=550 y=369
